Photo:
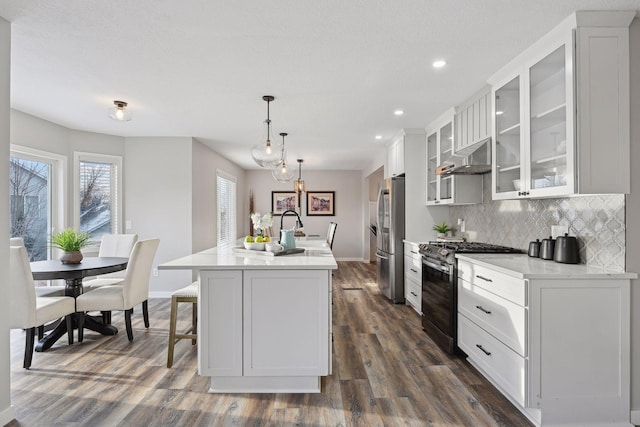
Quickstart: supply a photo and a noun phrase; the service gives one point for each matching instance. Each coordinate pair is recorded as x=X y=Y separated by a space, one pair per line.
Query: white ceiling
x=199 y=68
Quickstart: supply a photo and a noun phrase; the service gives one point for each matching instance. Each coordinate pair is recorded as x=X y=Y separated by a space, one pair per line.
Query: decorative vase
x=72 y=257
x=440 y=235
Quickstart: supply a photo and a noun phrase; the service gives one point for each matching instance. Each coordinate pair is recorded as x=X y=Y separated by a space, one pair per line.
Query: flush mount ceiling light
x=282 y=173
x=378 y=136
x=298 y=185
x=267 y=154
x=120 y=112
x=398 y=112
x=439 y=63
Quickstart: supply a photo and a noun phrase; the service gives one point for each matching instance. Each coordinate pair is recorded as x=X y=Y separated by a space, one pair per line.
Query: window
x=226 y=208
x=97 y=201
x=34 y=182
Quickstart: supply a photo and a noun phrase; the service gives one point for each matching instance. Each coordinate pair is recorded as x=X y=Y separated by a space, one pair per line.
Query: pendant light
x=283 y=173
x=120 y=112
x=298 y=185
x=267 y=154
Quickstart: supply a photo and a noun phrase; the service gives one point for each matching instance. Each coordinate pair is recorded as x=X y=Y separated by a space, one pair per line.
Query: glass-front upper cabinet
x=550 y=103
x=432 y=164
x=533 y=122
x=508 y=141
x=446 y=144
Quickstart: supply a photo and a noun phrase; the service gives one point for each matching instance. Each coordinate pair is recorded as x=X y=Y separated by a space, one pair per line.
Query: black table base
x=90 y=322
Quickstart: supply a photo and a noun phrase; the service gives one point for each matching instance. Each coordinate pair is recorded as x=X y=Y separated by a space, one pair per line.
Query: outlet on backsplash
x=559 y=230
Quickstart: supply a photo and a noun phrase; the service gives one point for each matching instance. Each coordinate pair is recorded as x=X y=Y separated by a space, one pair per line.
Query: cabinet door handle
x=414 y=294
x=483 y=278
x=488 y=353
x=415 y=271
x=484 y=310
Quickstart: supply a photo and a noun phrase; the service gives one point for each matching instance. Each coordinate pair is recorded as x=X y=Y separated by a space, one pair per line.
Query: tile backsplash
x=597 y=221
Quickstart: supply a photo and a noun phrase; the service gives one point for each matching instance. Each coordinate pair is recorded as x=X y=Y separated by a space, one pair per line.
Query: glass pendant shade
x=283 y=173
x=298 y=185
x=267 y=154
x=120 y=112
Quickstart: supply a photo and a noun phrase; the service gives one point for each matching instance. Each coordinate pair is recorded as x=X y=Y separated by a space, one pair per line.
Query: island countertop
x=317 y=256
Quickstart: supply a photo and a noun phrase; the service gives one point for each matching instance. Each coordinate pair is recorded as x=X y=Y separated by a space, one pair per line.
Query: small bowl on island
x=254 y=246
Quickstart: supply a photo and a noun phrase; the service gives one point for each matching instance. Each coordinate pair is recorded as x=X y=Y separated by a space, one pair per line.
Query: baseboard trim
x=351 y=259
x=7 y=415
x=635 y=417
x=160 y=294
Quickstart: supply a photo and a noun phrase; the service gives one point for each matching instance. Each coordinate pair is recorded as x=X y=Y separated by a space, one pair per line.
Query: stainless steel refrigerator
x=390 y=228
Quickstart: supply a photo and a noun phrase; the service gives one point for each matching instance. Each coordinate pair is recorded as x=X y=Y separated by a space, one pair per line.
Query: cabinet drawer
x=413 y=268
x=413 y=291
x=508 y=287
x=501 y=318
x=503 y=366
x=411 y=249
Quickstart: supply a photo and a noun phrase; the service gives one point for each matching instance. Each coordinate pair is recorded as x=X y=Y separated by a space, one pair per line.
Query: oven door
x=438 y=302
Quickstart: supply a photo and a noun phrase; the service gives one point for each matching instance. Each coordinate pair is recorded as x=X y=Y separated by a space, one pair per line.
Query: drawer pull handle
x=414 y=252
x=482 y=309
x=414 y=294
x=483 y=278
x=488 y=353
x=415 y=271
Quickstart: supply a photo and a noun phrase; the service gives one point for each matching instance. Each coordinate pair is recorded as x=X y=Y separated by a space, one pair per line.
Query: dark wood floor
x=386 y=372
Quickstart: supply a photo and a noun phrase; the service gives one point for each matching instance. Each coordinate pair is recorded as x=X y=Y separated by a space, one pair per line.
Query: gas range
x=445 y=251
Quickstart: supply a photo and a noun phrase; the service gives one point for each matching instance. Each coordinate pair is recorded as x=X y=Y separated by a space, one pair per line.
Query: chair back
x=331 y=233
x=117 y=245
x=138 y=272
x=16 y=241
x=22 y=290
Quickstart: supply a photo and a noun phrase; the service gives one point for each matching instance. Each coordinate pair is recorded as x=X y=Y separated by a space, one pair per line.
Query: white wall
x=158 y=200
x=633 y=226
x=205 y=162
x=6 y=410
x=347 y=244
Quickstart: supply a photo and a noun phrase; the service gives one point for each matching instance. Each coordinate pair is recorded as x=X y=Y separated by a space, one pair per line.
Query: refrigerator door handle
x=378 y=255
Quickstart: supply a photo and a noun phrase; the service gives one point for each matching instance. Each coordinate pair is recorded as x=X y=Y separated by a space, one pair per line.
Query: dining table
x=73 y=274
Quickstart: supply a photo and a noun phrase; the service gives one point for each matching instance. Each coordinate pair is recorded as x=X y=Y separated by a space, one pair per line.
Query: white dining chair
x=132 y=290
x=41 y=291
x=28 y=311
x=112 y=245
x=331 y=233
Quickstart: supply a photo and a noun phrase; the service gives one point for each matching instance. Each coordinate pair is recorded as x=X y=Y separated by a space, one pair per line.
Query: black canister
x=534 y=249
x=547 y=247
x=566 y=250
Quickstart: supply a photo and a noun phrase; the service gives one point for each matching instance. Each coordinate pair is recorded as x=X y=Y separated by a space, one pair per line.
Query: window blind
x=226 y=210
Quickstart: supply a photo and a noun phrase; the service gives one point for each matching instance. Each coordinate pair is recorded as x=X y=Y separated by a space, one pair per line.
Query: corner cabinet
x=450 y=189
x=552 y=140
x=557 y=347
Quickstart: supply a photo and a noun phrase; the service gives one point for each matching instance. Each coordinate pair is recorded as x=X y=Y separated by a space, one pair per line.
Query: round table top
x=90 y=266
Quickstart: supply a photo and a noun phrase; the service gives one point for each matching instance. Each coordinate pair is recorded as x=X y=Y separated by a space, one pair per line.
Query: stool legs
x=191 y=333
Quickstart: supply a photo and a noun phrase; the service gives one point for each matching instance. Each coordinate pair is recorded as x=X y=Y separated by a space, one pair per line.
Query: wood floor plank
x=386 y=371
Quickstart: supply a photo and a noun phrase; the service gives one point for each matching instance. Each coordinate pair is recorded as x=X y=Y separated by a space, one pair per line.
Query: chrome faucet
x=298 y=221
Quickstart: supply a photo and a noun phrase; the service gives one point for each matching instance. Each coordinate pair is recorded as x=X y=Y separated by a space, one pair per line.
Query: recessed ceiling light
x=439 y=63
x=378 y=136
x=398 y=112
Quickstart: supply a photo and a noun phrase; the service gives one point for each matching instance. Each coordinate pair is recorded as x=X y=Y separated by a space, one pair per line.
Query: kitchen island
x=264 y=321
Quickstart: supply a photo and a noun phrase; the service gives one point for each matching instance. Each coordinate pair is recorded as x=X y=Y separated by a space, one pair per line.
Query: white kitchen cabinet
x=472 y=121
x=553 y=338
x=265 y=329
x=541 y=97
x=413 y=276
x=449 y=189
x=395 y=153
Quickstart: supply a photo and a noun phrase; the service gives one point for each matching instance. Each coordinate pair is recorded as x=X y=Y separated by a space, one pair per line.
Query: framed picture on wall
x=283 y=200
x=321 y=203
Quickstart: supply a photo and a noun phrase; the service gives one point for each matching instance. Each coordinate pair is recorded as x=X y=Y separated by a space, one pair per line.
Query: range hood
x=472 y=160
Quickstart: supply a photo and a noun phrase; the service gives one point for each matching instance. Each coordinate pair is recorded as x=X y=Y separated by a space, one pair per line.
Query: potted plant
x=70 y=241
x=442 y=229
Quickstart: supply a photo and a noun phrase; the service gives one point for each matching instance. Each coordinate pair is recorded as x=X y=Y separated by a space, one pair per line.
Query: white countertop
x=317 y=256
x=525 y=267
